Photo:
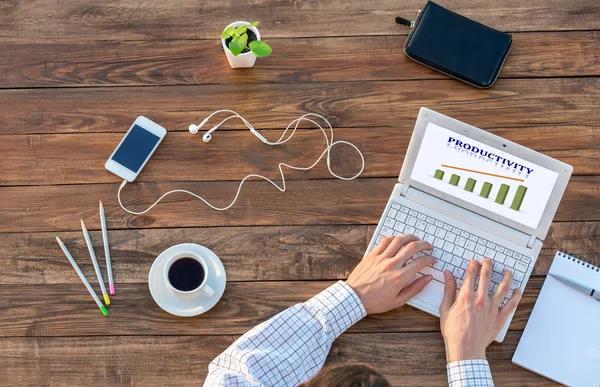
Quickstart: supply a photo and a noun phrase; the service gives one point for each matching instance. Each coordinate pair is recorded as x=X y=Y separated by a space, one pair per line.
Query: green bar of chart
x=470 y=186
x=485 y=190
x=518 y=199
x=502 y=192
x=454 y=179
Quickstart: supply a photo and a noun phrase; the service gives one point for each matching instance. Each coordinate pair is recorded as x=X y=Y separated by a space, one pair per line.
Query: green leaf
x=241 y=30
x=253 y=24
x=260 y=48
x=237 y=44
x=228 y=32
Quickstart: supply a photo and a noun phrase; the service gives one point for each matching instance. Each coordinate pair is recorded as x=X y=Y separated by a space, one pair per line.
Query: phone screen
x=135 y=148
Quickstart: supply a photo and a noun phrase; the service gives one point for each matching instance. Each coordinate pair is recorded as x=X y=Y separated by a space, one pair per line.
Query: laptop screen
x=483 y=175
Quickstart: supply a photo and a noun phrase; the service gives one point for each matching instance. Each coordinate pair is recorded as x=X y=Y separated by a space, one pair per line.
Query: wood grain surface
x=331 y=59
x=73 y=77
x=84 y=20
x=510 y=103
x=306 y=202
x=182 y=157
x=255 y=253
x=405 y=358
x=66 y=310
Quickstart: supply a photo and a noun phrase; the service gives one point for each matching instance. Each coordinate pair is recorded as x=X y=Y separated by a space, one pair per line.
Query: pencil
x=111 y=285
x=81 y=276
x=88 y=241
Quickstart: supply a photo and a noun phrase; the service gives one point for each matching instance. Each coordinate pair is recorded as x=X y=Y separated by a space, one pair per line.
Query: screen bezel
x=563 y=170
x=124 y=172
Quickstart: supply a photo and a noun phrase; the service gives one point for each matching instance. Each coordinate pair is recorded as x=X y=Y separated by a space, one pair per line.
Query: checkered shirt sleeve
x=469 y=373
x=291 y=347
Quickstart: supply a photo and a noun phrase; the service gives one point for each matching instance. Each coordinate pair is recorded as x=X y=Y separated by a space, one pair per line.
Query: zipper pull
x=406 y=22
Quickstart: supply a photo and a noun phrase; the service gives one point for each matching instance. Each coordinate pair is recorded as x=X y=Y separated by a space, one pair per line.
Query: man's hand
x=473 y=319
x=382 y=280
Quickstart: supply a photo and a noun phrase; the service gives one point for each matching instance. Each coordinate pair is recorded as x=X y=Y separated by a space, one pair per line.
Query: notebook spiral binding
x=578 y=260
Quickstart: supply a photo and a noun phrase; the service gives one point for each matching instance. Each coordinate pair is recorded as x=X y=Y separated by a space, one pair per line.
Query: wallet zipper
x=406 y=22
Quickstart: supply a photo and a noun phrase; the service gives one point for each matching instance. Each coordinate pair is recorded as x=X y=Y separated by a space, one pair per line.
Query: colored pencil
x=111 y=285
x=81 y=276
x=88 y=241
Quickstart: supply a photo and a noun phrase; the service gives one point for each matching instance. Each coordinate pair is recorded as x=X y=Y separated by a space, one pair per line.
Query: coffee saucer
x=176 y=305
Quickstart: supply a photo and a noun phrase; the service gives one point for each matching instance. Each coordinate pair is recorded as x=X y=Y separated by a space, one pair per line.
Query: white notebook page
x=562 y=337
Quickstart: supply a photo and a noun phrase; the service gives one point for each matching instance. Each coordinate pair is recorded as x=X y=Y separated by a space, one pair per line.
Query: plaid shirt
x=291 y=347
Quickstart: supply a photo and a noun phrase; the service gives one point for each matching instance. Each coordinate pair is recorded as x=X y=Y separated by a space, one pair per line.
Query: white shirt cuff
x=341 y=306
x=471 y=373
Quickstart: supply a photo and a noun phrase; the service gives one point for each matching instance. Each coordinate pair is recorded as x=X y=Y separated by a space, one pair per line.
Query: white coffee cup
x=202 y=289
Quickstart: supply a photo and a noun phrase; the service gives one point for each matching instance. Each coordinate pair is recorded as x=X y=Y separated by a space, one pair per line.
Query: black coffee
x=186 y=274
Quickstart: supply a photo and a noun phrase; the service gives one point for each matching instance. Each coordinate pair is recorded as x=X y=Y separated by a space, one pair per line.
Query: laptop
x=472 y=194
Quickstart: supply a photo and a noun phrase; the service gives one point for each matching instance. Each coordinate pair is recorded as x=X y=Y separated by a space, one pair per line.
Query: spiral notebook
x=562 y=338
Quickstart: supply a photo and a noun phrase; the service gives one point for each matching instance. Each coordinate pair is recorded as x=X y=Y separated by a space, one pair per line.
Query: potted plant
x=242 y=45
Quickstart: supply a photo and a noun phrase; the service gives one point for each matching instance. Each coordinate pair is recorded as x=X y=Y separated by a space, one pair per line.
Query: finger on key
x=397 y=244
x=449 y=293
x=419 y=264
x=413 y=247
x=380 y=248
x=504 y=287
x=510 y=305
x=470 y=277
x=485 y=277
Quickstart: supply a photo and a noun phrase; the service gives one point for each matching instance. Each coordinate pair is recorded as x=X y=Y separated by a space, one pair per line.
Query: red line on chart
x=483 y=173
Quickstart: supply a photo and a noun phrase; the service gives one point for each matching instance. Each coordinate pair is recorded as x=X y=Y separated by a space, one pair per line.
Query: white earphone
x=208 y=135
x=282 y=140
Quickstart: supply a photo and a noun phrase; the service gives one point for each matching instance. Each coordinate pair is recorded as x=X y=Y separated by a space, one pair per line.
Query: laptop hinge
x=532 y=239
x=405 y=188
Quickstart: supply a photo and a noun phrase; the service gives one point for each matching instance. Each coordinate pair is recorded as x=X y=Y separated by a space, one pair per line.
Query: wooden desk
x=74 y=75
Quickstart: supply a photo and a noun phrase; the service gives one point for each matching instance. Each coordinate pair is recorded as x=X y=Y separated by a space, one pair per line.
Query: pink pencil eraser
x=112 y=289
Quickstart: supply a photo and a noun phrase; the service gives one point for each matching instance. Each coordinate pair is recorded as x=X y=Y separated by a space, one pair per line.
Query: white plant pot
x=246 y=59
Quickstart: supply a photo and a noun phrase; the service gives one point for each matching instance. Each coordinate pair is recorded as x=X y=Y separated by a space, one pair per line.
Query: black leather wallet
x=457 y=46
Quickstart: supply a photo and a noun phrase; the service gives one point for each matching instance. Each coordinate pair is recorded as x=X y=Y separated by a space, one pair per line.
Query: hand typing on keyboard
x=471 y=320
x=454 y=247
x=382 y=280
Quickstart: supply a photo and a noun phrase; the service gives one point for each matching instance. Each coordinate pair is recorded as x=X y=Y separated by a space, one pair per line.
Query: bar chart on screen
x=484 y=187
x=482 y=177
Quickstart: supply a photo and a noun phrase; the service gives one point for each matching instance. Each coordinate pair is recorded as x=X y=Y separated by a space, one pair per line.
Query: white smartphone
x=135 y=149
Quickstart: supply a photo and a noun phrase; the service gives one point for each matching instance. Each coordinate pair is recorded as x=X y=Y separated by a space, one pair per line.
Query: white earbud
x=195 y=128
x=208 y=135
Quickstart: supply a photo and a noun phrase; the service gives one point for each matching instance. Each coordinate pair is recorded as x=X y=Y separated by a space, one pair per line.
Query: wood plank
x=272 y=253
x=186 y=19
x=59 y=208
x=76 y=159
x=306 y=202
x=68 y=310
x=510 y=103
x=404 y=359
x=395 y=356
x=248 y=253
x=135 y=63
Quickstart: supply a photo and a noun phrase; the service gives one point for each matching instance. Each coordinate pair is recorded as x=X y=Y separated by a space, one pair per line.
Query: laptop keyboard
x=453 y=247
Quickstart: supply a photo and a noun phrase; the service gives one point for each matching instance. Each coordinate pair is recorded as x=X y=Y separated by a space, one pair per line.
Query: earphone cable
x=282 y=140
